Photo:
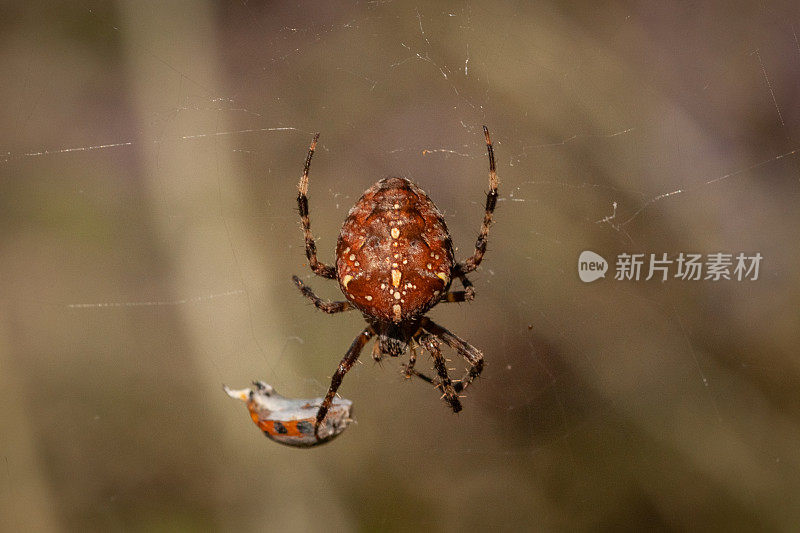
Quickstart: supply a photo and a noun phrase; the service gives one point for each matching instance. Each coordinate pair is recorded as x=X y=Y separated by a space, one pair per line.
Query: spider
x=394 y=262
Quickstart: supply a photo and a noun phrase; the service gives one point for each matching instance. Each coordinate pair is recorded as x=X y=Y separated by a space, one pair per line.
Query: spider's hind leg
x=323 y=305
x=467 y=295
x=491 y=202
x=317 y=266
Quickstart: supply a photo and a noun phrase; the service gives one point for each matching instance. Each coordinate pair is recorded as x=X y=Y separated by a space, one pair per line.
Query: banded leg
x=318 y=267
x=344 y=365
x=449 y=393
x=323 y=305
x=408 y=369
x=457 y=297
x=473 y=356
x=467 y=295
x=491 y=201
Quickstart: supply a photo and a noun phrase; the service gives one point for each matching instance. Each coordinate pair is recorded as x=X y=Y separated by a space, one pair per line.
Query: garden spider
x=394 y=261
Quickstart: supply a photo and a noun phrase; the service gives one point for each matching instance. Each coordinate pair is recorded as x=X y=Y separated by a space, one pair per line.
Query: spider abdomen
x=394 y=255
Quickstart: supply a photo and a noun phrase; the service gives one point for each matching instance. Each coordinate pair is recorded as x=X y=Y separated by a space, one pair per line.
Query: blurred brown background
x=148 y=232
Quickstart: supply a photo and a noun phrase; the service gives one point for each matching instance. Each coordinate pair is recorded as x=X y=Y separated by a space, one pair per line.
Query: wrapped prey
x=290 y=421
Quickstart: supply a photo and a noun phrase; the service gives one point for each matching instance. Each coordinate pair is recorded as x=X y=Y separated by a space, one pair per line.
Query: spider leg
x=473 y=356
x=323 y=305
x=449 y=392
x=377 y=355
x=456 y=297
x=491 y=201
x=318 y=267
x=344 y=365
x=409 y=370
x=467 y=295
x=420 y=375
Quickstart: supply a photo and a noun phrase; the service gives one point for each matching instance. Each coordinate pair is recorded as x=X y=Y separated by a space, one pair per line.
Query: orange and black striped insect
x=291 y=421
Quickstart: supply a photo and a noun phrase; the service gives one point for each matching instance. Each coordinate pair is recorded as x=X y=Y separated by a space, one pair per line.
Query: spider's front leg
x=449 y=393
x=408 y=368
x=377 y=354
x=473 y=355
x=344 y=365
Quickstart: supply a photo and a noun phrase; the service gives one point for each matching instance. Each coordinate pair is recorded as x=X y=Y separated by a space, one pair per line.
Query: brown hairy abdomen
x=394 y=255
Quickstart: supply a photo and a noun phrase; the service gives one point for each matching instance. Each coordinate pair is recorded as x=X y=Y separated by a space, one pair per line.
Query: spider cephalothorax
x=394 y=261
